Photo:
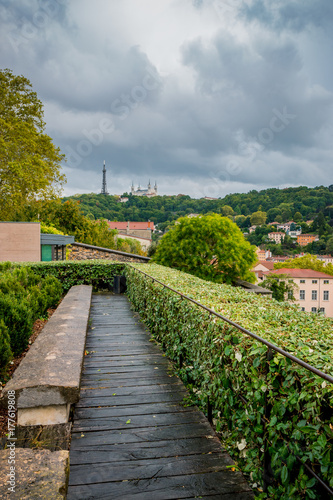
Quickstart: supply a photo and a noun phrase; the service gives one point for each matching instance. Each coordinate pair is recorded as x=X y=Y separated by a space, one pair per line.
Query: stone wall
x=81 y=251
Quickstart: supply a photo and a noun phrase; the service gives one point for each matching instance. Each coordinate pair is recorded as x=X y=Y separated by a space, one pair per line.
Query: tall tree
x=29 y=161
x=211 y=247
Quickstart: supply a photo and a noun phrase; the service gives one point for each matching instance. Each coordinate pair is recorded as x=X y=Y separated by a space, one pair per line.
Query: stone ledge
x=38 y=474
x=49 y=375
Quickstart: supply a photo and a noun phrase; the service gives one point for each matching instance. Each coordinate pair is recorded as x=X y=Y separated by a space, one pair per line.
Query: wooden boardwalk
x=132 y=436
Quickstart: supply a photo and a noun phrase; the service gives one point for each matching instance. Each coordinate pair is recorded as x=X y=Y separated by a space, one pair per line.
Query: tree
x=258 y=218
x=211 y=247
x=280 y=285
x=29 y=161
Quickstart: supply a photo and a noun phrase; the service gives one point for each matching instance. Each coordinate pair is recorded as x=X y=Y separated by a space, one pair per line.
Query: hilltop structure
x=104 y=188
x=149 y=192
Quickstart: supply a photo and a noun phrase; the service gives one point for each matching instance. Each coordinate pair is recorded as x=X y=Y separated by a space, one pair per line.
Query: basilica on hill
x=149 y=192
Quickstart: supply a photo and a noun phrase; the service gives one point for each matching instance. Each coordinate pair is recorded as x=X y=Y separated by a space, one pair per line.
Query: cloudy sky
x=207 y=97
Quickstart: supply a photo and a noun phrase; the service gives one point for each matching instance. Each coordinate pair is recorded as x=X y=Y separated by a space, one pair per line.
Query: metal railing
x=270 y=346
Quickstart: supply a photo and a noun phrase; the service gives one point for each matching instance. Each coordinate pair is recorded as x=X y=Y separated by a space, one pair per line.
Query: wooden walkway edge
x=132 y=437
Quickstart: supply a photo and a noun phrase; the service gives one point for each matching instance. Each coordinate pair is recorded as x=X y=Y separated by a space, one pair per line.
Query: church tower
x=104 y=188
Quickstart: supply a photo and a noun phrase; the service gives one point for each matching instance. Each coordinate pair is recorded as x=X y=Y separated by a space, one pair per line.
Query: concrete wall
x=20 y=241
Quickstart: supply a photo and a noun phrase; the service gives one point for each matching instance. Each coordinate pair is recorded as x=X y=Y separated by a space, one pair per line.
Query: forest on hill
x=281 y=205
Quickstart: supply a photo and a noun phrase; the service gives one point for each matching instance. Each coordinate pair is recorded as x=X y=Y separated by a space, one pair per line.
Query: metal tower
x=104 y=188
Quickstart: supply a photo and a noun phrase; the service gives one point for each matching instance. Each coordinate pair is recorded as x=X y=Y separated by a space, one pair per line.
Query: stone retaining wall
x=81 y=251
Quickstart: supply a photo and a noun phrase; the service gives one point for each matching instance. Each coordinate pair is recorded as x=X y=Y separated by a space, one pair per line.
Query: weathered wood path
x=132 y=436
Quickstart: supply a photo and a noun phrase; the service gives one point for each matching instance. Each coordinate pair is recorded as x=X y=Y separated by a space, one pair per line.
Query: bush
x=17 y=315
x=255 y=399
x=24 y=297
x=5 y=350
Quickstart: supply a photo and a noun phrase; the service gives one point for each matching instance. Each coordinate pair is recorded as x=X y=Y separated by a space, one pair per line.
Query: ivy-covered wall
x=268 y=410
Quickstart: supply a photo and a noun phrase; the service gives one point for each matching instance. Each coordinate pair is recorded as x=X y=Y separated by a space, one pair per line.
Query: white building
x=149 y=192
x=314 y=292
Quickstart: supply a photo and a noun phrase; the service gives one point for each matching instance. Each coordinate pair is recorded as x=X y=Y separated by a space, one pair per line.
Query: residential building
x=305 y=239
x=314 y=292
x=263 y=254
x=261 y=268
x=276 y=236
x=326 y=259
x=140 y=229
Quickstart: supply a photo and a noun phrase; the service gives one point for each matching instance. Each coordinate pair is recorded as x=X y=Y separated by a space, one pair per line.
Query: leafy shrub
x=5 y=350
x=24 y=297
x=266 y=407
x=17 y=315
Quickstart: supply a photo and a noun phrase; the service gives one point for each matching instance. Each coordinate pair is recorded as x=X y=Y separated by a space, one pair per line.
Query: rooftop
x=301 y=273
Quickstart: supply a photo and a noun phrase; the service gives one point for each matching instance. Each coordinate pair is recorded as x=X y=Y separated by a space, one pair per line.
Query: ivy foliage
x=266 y=407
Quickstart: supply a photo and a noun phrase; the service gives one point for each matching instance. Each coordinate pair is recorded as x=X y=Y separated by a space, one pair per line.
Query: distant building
x=314 y=291
x=326 y=259
x=139 y=229
x=263 y=254
x=149 y=192
x=305 y=239
x=276 y=236
x=261 y=268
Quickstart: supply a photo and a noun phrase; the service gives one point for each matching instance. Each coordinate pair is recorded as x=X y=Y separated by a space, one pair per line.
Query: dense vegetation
x=24 y=297
x=29 y=161
x=254 y=399
x=211 y=247
x=279 y=205
x=300 y=204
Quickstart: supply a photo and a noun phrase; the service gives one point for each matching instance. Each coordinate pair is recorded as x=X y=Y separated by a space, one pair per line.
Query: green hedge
x=24 y=297
x=98 y=273
x=253 y=400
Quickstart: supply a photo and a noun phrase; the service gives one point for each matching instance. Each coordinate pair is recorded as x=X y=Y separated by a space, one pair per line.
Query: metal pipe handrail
x=244 y=330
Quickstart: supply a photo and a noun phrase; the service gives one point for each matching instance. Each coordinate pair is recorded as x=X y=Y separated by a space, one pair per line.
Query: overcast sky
x=207 y=97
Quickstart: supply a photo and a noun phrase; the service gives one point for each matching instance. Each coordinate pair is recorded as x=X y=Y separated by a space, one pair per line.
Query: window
x=314 y=295
x=322 y=310
x=314 y=281
x=290 y=294
x=326 y=282
x=302 y=308
x=313 y=309
x=302 y=295
x=326 y=295
x=302 y=281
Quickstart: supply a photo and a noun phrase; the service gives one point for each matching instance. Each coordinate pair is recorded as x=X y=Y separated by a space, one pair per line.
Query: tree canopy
x=29 y=161
x=211 y=247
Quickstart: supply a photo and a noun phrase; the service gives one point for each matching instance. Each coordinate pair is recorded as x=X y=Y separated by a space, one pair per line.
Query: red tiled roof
x=301 y=273
x=132 y=225
x=265 y=263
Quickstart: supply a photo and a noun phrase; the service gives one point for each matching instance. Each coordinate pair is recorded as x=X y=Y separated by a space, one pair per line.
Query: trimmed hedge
x=254 y=400
x=24 y=297
x=98 y=273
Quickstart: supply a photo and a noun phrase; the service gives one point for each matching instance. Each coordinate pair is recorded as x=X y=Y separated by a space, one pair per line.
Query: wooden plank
x=122 y=381
x=143 y=450
x=173 y=487
x=140 y=421
x=146 y=469
x=132 y=391
x=119 y=411
x=151 y=434
x=89 y=402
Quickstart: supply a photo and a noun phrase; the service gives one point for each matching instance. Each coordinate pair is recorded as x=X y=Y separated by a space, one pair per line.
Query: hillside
x=277 y=203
